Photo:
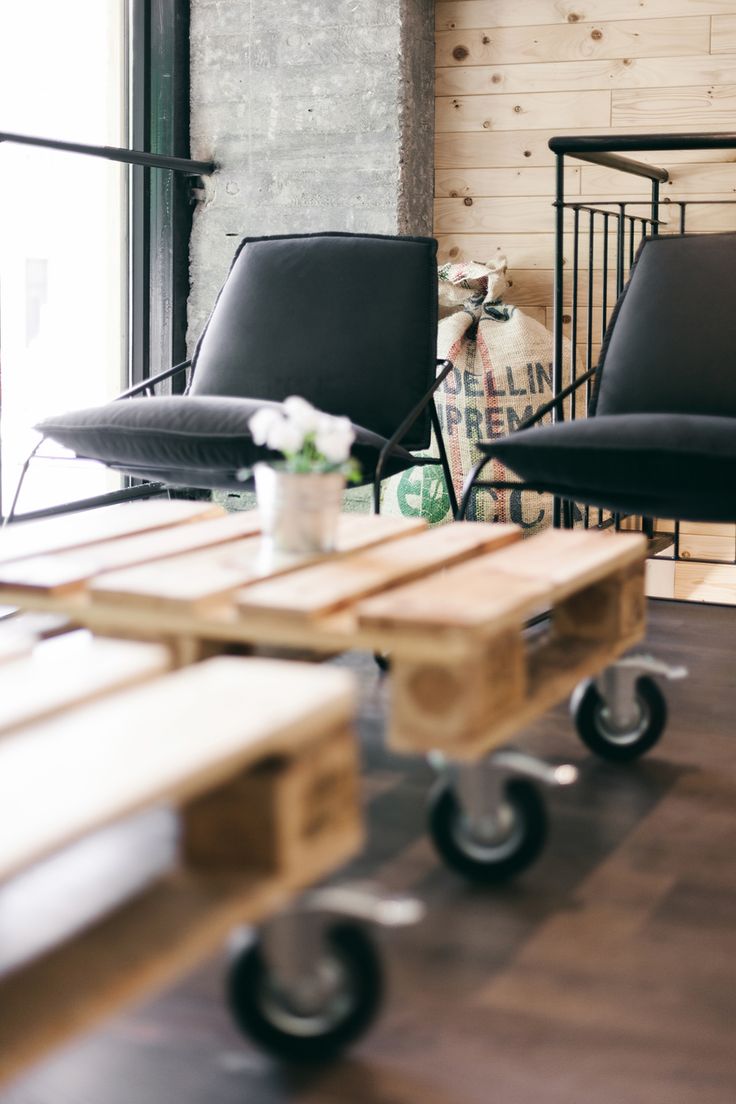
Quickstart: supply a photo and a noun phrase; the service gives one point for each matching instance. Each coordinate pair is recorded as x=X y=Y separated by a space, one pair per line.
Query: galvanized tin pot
x=299 y=512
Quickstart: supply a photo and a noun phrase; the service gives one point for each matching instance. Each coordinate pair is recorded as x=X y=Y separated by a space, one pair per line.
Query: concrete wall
x=320 y=114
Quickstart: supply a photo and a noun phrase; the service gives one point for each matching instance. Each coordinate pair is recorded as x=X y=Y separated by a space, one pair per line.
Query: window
x=93 y=253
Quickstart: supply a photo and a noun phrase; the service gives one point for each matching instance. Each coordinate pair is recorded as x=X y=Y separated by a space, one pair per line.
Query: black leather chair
x=348 y=321
x=661 y=436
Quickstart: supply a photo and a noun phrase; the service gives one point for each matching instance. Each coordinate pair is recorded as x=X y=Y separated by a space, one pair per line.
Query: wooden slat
x=459 y=14
x=695 y=546
x=571 y=561
x=70 y=670
x=684 y=180
x=507 y=213
x=561 y=76
x=319 y=590
x=204 y=578
x=40 y=626
x=660 y=578
x=544 y=110
x=723 y=33
x=165 y=741
x=471 y=597
x=527 y=250
x=513 y=214
x=709 y=218
x=572 y=41
x=36 y=538
x=13 y=646
x=492 y=182
x=523 y=148
x=688 y=106
x=695 y=582
x=65 y=572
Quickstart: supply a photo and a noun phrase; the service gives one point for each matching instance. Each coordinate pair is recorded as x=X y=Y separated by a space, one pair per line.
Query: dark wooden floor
x=605 y=975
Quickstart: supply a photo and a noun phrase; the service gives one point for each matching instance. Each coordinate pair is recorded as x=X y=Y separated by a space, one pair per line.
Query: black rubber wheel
x=589 y=711
x=483 y=861
x=263 y=1013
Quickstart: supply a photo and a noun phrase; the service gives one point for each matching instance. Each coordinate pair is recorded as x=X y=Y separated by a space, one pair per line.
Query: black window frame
x=161 y=201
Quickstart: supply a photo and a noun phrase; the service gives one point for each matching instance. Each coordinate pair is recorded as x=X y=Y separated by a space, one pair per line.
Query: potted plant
x=299 y=498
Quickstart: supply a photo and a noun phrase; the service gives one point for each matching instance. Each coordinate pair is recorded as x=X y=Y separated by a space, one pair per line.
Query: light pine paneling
x=511 y=74
x=575 y=41
x=723 y=34
x=565 y=76
x=459 y=14
x=690 y=108
x=501 y=182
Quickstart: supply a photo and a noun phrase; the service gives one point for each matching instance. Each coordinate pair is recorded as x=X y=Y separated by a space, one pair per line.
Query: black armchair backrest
x=671 y=343
x=349 y=321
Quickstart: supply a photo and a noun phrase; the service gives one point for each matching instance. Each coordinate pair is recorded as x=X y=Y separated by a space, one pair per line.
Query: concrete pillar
x=320 y=114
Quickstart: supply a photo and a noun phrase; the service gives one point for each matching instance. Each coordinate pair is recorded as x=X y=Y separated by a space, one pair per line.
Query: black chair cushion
x=190 y=441
x=670 y=344
x=679 y=466
x=349 y=321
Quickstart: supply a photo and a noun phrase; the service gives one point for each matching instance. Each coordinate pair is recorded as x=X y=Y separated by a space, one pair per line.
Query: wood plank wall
x=512 y=73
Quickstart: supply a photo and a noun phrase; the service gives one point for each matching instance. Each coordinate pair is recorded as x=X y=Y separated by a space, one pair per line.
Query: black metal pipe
x=655 y=208
x=633 y=143
x=114 y=153
x=589 y=320
x=574 y=305
x=620 y=230
x=604 y=304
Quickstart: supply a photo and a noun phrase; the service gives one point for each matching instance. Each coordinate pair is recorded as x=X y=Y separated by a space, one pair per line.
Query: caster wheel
x=517 y=843
x=590 y=713
x=383 y=661
x=351 y=973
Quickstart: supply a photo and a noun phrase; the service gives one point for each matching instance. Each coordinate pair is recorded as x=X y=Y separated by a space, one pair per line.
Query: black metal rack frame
x=618 y=225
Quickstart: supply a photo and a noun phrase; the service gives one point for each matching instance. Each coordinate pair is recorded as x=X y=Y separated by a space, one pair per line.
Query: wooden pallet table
x=449 y=605
x=268 y=804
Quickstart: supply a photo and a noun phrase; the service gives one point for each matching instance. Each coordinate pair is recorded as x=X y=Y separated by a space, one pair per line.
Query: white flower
x=334 y=438
x=261 y=422
x=285 y=436
x=302 y=413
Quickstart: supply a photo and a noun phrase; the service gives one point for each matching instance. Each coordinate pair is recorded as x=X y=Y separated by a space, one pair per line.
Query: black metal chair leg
x=469 y=486
x=443 y=458
x=377 y=495
x=21 y=480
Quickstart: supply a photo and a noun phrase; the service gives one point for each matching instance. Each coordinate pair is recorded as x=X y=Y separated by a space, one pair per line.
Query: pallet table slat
x=36 y=538
x=13 y=645
x=72 y=669
x=471 y=597
x=154 y=749
x=315 y=591
x=571 y=560
x=65 y=572
x=203 y=578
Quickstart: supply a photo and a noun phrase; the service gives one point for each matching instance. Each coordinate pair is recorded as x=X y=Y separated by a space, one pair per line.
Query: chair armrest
x=148 y=384
x=545 y=408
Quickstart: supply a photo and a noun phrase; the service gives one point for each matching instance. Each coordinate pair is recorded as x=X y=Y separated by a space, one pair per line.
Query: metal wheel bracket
x=481 y=787
x=617 y=687
x=295 y=946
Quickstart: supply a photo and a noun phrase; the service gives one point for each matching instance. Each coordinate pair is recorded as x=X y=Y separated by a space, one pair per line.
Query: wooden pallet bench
x=256 y=754
x=449 y=604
